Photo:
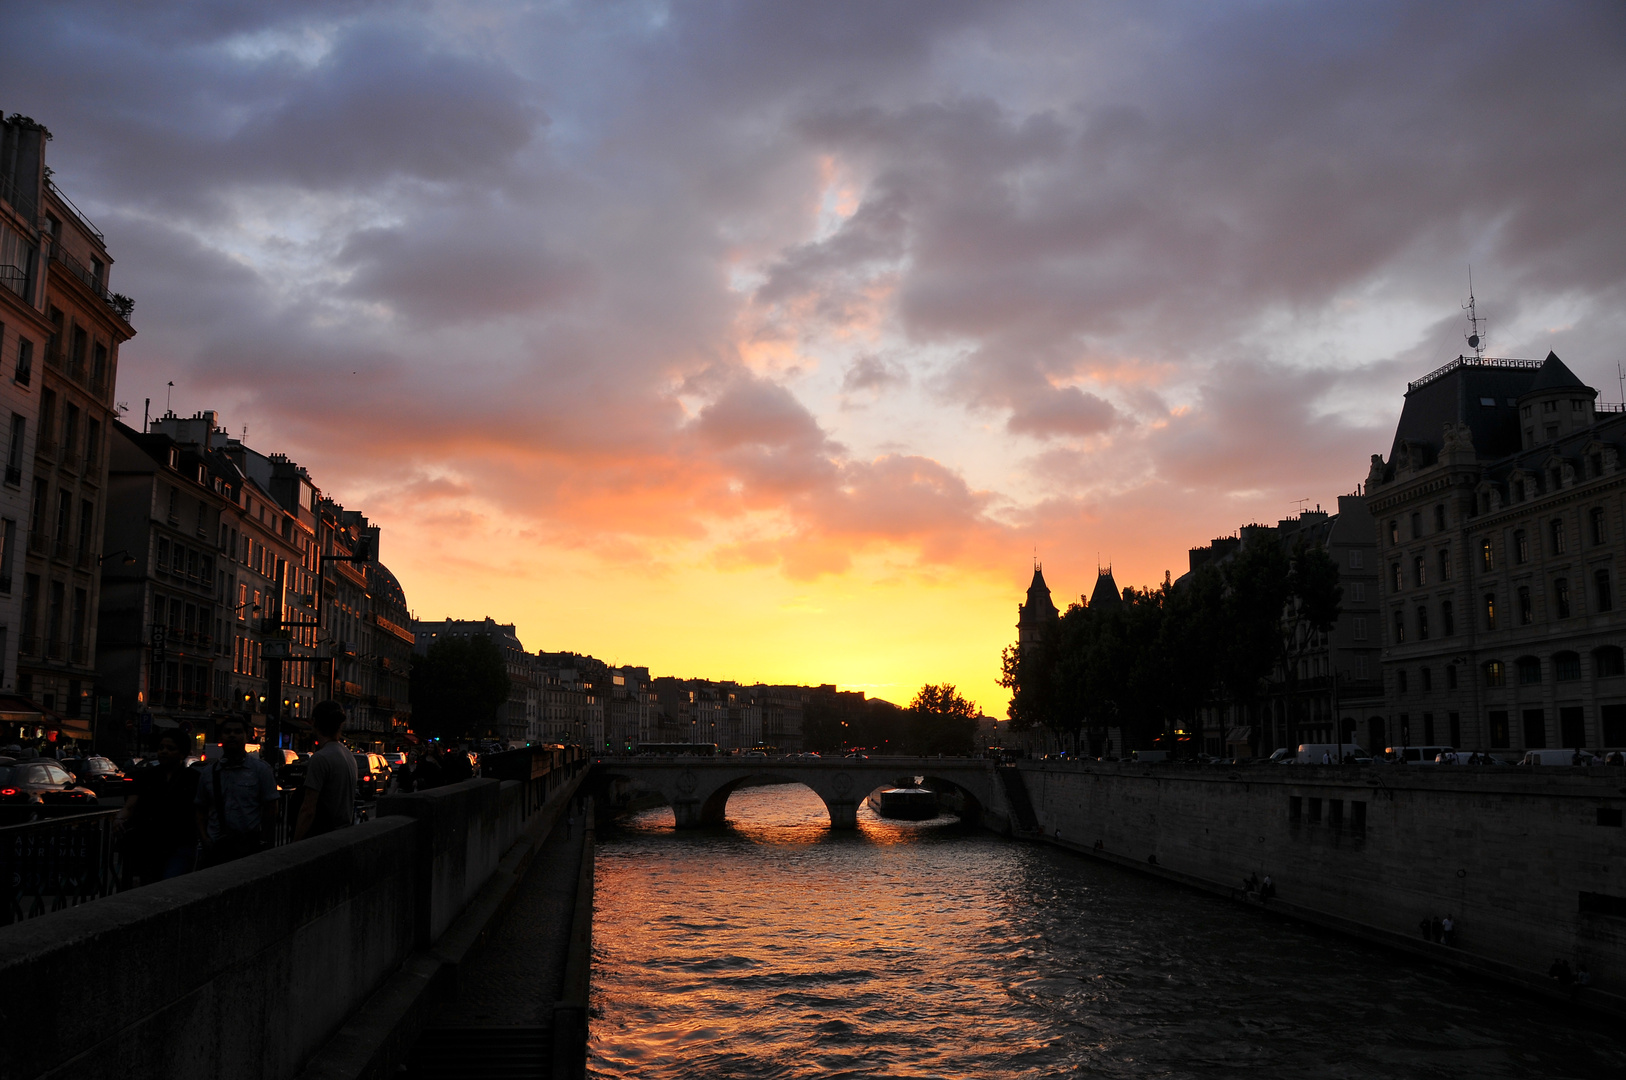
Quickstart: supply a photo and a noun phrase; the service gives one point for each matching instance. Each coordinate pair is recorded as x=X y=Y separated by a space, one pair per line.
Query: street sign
x=276 y=649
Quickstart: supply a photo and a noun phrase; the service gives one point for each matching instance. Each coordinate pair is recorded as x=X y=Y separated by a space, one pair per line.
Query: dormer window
x=1549 y=406
x=174 y=458
x=1526 y=411
x=1577 y=406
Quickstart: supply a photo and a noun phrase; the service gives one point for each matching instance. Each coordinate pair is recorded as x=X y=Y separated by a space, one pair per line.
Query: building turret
x=1106 y=592
x=1035 y=618
x=1557 y=404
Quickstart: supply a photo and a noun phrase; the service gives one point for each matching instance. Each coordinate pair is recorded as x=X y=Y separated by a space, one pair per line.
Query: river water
x=772 y=947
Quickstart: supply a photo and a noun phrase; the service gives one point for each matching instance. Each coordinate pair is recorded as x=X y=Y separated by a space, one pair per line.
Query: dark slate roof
x=1106 y=590
x=1555 y=376
x=1039 y=602
x=1483 y=396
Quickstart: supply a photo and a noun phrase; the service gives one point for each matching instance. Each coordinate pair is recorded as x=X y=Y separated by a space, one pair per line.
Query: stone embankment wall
x=248 y=969
x=1531 y=864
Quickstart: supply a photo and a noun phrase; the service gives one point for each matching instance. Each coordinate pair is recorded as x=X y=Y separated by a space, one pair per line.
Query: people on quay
x=1250 y=884
x=1436 y=929
x=430 y=773
x=1448 y=930
x=328 y=798
x=1267 y=889
x=457 y=765
x=160 y=817
x=235 y=800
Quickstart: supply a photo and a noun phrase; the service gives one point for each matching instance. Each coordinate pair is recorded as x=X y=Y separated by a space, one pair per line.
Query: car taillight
x=8 y=791
x=368 y=777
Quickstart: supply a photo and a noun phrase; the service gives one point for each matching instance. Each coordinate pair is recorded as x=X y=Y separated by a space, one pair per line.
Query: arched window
x=1566 y=666
x=1608 y=662
x=1556 y=529
x=1561 y=597
x=1495 y=673
x=1529 y=670
x=1448 y=620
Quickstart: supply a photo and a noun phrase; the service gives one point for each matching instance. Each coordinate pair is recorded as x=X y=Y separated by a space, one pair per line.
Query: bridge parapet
x=697 y=788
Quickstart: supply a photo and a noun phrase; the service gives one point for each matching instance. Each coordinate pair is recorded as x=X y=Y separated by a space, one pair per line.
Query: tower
x=1035 y=618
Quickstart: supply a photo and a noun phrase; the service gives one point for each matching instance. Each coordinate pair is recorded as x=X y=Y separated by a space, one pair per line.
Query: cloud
x=873 y=372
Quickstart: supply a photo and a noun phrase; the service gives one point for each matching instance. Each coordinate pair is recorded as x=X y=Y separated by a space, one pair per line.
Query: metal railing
x=15 y=278
x=78 y=213
x=1471 y=361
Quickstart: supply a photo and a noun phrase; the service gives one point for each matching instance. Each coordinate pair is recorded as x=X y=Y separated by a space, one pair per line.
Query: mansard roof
x=1482 y=393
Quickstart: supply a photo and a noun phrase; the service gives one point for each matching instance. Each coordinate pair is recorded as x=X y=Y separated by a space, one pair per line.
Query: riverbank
x=1522 y=862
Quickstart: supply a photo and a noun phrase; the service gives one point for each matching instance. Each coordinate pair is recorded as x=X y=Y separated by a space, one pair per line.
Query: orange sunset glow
x=774 y=344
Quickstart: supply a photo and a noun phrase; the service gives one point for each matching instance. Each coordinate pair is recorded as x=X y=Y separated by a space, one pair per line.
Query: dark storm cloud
x=535 y=229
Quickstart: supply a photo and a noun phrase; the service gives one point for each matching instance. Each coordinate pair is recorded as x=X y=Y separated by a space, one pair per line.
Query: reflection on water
x=773 y=947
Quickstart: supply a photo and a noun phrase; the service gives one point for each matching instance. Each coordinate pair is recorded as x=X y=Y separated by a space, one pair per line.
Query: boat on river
x=910 y=804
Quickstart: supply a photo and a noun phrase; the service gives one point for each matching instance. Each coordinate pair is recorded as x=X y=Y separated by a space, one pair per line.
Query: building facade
x=1501 y=524
x=515 y=717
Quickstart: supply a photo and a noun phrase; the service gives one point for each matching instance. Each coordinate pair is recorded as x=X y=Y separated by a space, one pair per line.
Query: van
x=1415 y=755
x=1151 y=756
x=1557 y=757
x=1311 y=753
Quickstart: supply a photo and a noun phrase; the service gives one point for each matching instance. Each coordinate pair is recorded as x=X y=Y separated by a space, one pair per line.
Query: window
x=25 y=361
x=1428 y=729
x=1535 y=729
x=98 y=365
x=93 y=444
x=1566 y=666
x=1495 y=673
x=1521 y=547
x=1394 y=574
x=81 y=607
x=1360 y=628
x=1315 y=810
x=1490 y=611
x=1606 y=595
x=47 y=418
x=1427 y=675
x=1486 y=562
x=1451 y=679
x=8 y=548
x=1613 y=719
x=1453 y=724
x=1358 y=592
x=1445 y=564
x=1422 y=624
x=1556 y=529
x=70 y=432
x=1448 y=619
x=14 y=454
x=1400 y=680
x=1595 y=522
x=1529 y=670
x=1355 y=558
x=64 y=514
x=1561 y=597
x=1608 y=663
x=1419 y=571
x=1394 y=532
x=1416 y=526
x=1400 y=627
x=1360 y=664
x=1526 y=609
x=87 y=518
x=1498 y=730
x=1439 y=519
x=1571 y=726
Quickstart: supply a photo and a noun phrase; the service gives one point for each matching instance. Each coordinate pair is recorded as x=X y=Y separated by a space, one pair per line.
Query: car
x=30 y=790
x=1559 y=757
x=1415 y=755
x=372 y=776
x=100 y=775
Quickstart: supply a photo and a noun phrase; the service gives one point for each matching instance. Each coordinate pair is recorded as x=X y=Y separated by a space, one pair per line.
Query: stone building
x=514 y=716
x=56 y=663
x=24 y=330
x=1502 y=532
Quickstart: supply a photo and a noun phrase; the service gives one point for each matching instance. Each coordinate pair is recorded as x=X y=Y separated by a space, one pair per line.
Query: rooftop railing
x=1472 y=361
x=76 y=212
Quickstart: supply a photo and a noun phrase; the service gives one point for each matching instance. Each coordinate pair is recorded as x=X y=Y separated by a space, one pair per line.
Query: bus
x=677 y=749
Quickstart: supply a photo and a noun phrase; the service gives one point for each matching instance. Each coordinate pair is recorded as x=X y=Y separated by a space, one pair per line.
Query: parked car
x=372 y=776
x=1312 y=753
x=30 y=790
x=100 y=775
x=1559 y=757
x=1415 y=755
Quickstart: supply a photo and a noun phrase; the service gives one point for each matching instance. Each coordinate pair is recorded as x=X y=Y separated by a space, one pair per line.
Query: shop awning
x=1238 y=736
x=19 y=710
x=75 y=729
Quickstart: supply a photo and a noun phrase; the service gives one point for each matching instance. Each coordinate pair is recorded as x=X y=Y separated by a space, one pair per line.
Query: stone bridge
x=697 y=788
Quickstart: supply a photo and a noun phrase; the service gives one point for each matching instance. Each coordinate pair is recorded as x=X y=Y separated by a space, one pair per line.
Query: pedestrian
x=1423 y=926
x=1267 y=889
x=1448 y=930
x=457 y=765
x=1436 y=930
x=1250 y=884
x=429 y=773
x=161 y=816
x=328 y=798
x=235 y=793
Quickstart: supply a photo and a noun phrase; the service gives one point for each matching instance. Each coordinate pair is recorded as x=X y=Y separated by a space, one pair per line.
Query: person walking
x=1448 y=930
x=235 y=793
x=429 y=773
x=160 y=815
x=328 y=798
x=457 y=765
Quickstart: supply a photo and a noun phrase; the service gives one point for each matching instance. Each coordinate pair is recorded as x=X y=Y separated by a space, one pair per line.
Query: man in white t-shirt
x=330 y=779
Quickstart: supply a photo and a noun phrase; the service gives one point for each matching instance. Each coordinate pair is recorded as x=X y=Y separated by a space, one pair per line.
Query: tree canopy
x=458 y=686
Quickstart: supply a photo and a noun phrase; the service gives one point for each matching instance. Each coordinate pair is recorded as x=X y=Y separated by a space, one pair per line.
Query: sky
x=775 y=341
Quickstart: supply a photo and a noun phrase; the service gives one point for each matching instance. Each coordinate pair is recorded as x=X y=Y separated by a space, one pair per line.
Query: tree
x=458 y=686
x=940 y=721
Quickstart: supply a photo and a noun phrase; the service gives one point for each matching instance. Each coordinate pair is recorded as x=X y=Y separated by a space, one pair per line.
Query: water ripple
x=773 y=948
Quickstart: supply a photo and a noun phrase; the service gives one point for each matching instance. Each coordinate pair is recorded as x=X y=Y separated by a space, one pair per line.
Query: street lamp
x=128 y=560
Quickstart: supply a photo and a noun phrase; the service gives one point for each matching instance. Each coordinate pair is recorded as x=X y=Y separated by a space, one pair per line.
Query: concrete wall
x=1507 y=852
x=245 y=970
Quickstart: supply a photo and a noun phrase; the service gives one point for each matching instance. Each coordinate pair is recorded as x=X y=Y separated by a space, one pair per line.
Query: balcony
x=122 y=306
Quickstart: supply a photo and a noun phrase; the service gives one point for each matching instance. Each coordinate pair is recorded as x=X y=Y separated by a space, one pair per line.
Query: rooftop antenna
x=1476 y=337
x=1302 y=504
x=167 y=394
x=1621 y=377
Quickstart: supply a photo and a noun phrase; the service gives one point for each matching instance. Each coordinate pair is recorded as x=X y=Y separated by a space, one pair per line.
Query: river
x=772 y=947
